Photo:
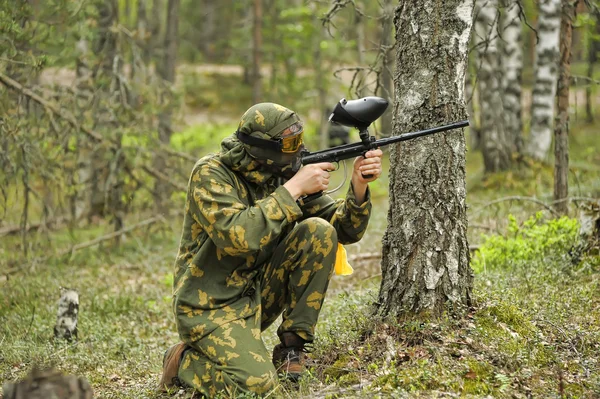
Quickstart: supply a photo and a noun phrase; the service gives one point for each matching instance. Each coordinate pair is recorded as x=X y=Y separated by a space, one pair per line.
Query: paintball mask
x=279 y=148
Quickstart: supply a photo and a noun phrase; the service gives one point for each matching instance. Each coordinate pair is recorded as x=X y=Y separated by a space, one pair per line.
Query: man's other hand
x=369 y=165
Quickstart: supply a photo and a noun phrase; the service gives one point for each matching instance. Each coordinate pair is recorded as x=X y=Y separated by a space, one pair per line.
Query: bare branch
x=49 y=107
x=526 y=22
x=10 y=230
x=52 y=110
x=112 y=235
x=160 y=176
x=516 y=198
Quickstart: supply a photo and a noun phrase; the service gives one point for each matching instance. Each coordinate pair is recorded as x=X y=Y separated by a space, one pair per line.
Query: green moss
x=510 y=314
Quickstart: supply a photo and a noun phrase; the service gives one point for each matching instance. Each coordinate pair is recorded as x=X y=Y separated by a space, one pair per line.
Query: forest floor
x=533 y=330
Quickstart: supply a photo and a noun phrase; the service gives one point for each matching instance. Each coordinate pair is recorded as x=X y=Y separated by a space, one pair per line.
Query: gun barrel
x=421 y=133
x=339 y=153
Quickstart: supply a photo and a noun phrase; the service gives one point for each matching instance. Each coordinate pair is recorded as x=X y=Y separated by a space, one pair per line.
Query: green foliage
x=533 y=244
x=206 y=137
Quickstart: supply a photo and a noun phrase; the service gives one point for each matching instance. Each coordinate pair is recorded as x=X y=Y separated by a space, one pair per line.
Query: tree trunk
x=169 y=61
x=512 y=55
x=143 y=31
x=387 y=83
x=155 y=29
x=277 y=44
x=546 y=76
x=425 y=260
x=496 y=146
x=208 y=43
x=320 y=80
x=589 y=107
x=561 y=131
x=593 y=48
x=127 y=14
x=81 y=198
x=257 y=52
x=94 y=169
x=359 y=29
x=106 y=44
x=167 y=72
x=472 y=98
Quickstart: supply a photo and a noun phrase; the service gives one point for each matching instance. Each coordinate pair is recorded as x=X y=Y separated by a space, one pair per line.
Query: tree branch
x=160 y=176
x=9 y=230
x=517 y=198
x=52 y=109
x=49 y=107
x=114 y=234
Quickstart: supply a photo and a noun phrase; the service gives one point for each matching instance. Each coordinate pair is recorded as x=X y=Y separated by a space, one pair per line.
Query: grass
x=528 y=335
x=124 y=321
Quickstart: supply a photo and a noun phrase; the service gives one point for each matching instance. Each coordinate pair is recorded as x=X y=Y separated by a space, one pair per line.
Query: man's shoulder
x=210 y=165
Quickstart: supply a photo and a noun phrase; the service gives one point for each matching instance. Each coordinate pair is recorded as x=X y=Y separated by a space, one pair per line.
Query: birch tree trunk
x=495 y=144
x=359 y=30
x=593 y=48
x=472 y=98
x=512 y=56
x=546 y=76
x=561 y=131
x=387 y=83
x=425 y=259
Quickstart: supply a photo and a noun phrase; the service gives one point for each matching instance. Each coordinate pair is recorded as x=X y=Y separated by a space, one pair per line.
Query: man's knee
x=318 y=228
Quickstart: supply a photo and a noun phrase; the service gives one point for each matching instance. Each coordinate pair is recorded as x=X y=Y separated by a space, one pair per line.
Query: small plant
x=534 y=244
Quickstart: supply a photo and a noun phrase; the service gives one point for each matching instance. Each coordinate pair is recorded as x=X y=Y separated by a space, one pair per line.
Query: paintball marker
x=360 y=114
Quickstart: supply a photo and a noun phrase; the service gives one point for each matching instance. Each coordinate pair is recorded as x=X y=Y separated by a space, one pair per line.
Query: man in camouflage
x=251 y=250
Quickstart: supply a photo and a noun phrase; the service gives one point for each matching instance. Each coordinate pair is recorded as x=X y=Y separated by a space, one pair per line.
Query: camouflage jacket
x=235 y=215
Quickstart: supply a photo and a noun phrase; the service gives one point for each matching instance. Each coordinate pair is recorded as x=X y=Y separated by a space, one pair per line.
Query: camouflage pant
x=233 y=359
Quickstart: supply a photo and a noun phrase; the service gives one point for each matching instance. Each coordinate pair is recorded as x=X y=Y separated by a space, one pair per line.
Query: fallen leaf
x=471 y=375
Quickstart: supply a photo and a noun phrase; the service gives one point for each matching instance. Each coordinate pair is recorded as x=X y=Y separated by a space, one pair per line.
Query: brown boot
x=289 y=356
x=171 y=361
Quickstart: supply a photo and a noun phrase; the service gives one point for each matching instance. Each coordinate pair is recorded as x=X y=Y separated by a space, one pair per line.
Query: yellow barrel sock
x=342 y=267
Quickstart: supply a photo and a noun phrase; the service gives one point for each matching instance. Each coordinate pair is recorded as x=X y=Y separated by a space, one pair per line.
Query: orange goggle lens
x=291 y=139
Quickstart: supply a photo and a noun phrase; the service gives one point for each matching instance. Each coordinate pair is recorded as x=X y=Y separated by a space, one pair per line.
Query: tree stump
x=66 y=316
x=589 y=220
x=49 y=384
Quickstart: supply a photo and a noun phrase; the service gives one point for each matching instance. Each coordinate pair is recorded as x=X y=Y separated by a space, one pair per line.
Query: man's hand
x=369 y=165
x=309 y=179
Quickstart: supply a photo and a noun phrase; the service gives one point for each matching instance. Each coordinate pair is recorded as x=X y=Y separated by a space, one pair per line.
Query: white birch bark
x=545 y=80
x=495 y=145
x=425 y=259
x=512 y=57
x=387 y=83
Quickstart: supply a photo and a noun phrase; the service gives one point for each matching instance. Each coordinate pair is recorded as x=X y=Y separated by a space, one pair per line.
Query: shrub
x=534 y=244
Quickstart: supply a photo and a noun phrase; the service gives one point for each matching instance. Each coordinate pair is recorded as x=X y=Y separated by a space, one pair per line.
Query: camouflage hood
x=265 y=121
x=234 y=155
